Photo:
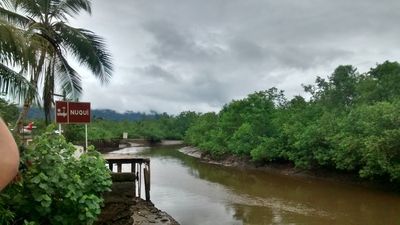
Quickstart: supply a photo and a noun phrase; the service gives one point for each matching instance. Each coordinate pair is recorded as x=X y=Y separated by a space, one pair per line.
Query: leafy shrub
x=269 y=149
x=57 y=186
x=243 y=140
x=74 y=132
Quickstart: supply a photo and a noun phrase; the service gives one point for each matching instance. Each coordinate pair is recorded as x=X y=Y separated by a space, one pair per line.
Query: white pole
x=59 y=128
x=86 y=137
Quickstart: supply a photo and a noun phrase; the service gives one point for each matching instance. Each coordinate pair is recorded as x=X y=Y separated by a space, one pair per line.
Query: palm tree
x=51 y=39
x=13 y=51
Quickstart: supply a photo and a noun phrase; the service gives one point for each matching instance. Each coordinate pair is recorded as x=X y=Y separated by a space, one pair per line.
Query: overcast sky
x=177 y=55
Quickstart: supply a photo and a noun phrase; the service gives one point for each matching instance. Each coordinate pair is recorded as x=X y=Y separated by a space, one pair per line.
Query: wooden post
x=146 y=172
x=140 y=180
x=110 y=166
x=119 y=167
x=133 y=171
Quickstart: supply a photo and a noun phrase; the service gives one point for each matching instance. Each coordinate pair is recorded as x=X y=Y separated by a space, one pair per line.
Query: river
x=197 y=193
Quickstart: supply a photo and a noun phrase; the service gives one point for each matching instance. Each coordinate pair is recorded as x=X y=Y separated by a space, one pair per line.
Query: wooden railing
x=140 y=170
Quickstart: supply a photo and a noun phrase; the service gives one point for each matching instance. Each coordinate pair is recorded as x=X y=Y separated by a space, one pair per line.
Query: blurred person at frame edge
x=9 y=156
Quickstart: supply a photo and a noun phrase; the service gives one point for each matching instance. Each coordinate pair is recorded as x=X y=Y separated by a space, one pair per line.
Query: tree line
x=154 y=129
x=351 y=122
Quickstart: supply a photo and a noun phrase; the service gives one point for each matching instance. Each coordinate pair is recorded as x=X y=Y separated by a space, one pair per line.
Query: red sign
x=79 y=112
x=61 y=112
x=72 y=112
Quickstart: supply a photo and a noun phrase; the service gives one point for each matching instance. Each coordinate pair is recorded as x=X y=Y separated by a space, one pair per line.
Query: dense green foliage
x=162 y=127
x=55 y=185
x=351 y=123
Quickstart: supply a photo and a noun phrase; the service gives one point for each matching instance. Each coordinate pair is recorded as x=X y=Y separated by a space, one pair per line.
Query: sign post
x=73 y=113
x=86 y=142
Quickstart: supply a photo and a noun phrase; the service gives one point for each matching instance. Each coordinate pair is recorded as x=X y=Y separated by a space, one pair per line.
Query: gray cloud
x=177 y=44
x=155 y=71
x=178 y=55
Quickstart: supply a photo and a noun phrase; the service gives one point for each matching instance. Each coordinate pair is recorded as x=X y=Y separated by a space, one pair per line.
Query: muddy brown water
x=197 y=193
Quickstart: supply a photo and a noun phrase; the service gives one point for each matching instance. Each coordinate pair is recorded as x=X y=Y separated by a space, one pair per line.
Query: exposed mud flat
x=133 y=212
x=289 y=169
x=146 y=213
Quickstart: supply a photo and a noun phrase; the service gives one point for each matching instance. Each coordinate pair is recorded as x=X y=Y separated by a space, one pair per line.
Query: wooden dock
x=139 y=171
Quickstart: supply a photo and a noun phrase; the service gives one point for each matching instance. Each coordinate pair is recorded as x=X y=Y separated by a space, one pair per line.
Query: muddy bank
x=288 y=169
x=133 y=212
x=233 y=161
x=146 y=213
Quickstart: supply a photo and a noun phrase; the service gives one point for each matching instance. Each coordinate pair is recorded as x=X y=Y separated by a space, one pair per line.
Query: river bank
x=194 y=192
x=133 y=212
x=288 y=169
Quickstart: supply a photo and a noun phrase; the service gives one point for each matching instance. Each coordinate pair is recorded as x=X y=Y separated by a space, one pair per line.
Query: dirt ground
x=146 y=213
x=134 y=212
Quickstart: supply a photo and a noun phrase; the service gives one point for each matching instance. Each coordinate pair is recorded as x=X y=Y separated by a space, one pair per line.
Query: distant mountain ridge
x=106 y=114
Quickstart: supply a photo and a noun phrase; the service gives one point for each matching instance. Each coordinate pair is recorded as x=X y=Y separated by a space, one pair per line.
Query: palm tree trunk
x=19 y=125
x=22 y=115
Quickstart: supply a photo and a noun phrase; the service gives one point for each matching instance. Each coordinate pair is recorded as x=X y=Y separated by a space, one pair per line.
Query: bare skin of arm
x=9 y=156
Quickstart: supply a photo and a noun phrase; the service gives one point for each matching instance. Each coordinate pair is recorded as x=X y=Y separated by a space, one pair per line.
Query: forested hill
x=107 y=114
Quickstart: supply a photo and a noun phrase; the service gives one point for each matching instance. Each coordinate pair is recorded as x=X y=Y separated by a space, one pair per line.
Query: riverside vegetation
x=350 y=123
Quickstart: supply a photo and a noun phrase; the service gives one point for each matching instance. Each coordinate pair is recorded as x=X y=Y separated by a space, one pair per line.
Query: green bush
x=268 y=150
x=56 y=186
x=74 y=132
x=243 y=140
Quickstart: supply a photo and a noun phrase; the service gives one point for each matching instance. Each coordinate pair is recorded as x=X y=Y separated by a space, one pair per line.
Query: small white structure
x=79 y=151
x=125 y=135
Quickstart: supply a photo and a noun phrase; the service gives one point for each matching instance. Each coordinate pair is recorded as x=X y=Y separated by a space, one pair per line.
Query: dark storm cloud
x=175 y=55
x=291 y=56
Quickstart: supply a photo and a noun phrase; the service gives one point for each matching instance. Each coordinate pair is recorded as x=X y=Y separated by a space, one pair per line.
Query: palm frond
x=68 y=78
x=62 y=8
x=13 y=17
x=48 y=90
x=12 y=45
x=88 y=48
x=14 y=84
x=5 y=3
x=30 y=7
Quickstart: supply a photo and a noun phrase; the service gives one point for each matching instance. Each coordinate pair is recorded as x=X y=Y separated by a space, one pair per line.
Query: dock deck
x=139 y=167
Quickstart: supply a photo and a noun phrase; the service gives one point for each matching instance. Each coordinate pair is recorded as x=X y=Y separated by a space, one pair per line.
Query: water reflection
x=200 y=193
